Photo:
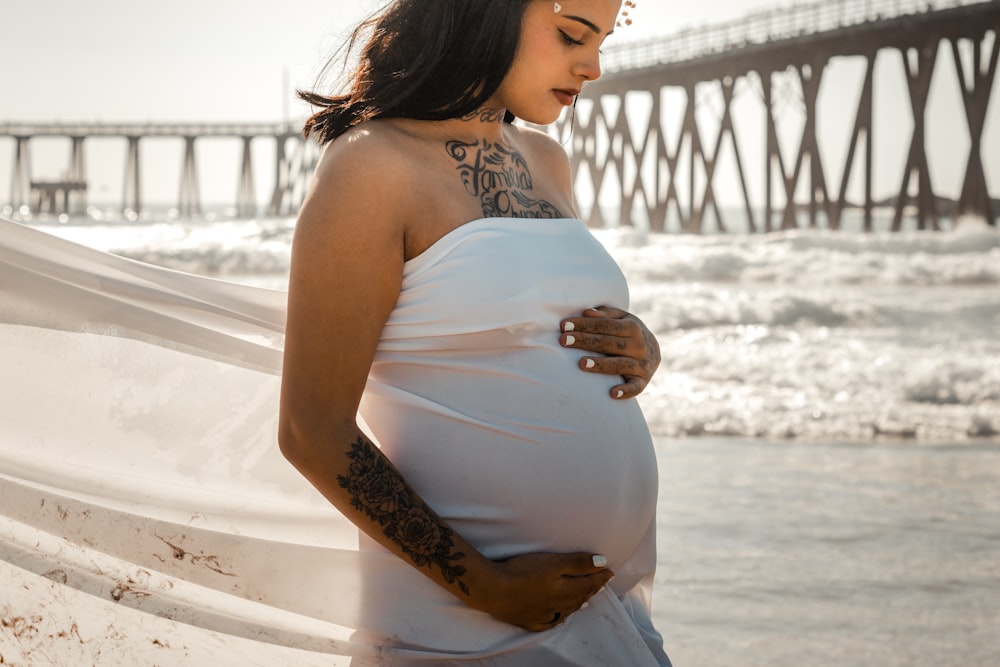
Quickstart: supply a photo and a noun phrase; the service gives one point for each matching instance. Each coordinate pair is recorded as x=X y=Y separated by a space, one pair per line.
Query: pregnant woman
x=459 y=367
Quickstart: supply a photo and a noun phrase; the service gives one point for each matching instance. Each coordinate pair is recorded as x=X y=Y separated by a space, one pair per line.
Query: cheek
x=536 y=66
x=540 y=45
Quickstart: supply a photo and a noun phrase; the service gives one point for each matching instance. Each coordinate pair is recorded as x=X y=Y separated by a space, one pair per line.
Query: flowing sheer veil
x=139 y=472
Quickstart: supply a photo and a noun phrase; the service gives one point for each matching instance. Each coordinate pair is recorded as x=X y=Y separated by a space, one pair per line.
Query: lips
x=566 y=95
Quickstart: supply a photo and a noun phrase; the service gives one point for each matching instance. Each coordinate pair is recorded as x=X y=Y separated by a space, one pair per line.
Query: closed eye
x=569 y=40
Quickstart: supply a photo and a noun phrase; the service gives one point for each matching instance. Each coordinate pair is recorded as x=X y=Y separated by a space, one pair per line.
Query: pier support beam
x=773 y=159
x=292 y=170
x=862 y=123
x=20 y=187
x=246 y=200
x=76 y=197
x=132 y=191
x=976 y=86
x=189 y=200
x=811 y=76
x=918 y=64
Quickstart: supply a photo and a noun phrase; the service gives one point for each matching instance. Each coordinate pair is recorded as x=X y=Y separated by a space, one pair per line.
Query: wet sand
x=810 y=553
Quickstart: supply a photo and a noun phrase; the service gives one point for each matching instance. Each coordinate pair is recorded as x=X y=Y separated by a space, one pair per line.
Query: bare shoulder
x=363 y=160
x=540 y=144
x=359 y=181
x=543 y=150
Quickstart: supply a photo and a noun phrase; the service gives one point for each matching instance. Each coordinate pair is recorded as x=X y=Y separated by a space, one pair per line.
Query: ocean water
x=827 y=418
x=791 y=335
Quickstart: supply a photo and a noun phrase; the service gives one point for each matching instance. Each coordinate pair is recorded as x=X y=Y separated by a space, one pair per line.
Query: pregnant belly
x=519 y=463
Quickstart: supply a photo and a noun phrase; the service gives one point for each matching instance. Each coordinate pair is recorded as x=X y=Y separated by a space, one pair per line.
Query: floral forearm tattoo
x=379 y=491
x=499 y=177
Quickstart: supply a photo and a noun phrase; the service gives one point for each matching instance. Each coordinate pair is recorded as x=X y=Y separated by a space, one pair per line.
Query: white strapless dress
x=140 y=481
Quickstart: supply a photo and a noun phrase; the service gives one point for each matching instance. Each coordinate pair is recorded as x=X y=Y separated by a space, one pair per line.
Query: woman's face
x=559 y=52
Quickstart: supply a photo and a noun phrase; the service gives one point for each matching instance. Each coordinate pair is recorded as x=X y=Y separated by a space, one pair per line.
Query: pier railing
x=780 y=23
x=124 y=129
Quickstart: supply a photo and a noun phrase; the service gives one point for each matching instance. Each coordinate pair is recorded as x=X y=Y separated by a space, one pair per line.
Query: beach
x=770 y=553
x=853 y=554
x=827 y=425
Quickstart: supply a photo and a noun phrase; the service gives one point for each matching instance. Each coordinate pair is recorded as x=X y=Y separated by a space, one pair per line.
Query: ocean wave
x=222 y=261
x=799 y=334
x=817 y=383
x=671 y=307
x=969 y=255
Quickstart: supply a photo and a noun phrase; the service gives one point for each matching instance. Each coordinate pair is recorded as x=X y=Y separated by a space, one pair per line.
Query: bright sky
x=203 y=59
x=226 y=60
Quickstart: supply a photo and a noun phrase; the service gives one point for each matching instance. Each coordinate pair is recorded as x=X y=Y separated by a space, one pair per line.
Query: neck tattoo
x=486 y=115
x=499 y=177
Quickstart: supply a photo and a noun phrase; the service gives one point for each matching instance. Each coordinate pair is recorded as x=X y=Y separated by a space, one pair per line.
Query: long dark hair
x=425 y=60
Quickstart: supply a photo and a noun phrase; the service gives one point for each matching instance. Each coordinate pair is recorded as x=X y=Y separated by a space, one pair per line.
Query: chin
x=539 y=116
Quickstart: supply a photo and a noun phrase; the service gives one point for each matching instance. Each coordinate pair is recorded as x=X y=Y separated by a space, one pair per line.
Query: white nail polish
x=620 y=393
x=571 y=340
x=590 y=363
x=569 y=326
x=584 y=605
x=600 y=561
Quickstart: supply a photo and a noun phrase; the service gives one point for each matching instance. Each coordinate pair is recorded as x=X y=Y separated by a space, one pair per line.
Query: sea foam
x=811 y=334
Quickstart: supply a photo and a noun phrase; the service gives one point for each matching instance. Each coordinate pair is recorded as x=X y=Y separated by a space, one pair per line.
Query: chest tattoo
x=499 y=178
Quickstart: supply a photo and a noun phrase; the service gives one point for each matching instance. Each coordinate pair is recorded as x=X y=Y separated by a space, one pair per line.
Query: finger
x=579 y=590
x=623 y=327
x=624 y=366
x=628 y=390
x=553 y=620
x=605 y=344
x=606 y=311
x=583 y=563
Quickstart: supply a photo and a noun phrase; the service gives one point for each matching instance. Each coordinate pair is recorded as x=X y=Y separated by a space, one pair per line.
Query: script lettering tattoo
x=499 y=177
x=379 y=491
x=486 y=115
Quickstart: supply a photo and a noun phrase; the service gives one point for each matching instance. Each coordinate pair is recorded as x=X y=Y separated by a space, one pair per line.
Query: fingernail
x=590 y=363
x=571 y=340
x=569 y=326
x=584 y=605
x=620 y=393
x=600 y=561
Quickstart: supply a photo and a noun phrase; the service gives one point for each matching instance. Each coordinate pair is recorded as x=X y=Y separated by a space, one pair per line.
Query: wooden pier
x=668 y=178
x=752 y=54
x=294 y=162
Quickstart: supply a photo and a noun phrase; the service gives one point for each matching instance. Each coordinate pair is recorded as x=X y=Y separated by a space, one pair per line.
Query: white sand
x=45 y=623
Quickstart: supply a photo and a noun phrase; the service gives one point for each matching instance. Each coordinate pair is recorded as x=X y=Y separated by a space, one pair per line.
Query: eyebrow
x=589 y=24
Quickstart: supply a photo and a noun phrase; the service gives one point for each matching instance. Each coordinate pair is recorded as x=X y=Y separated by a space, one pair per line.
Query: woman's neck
x=484 y=124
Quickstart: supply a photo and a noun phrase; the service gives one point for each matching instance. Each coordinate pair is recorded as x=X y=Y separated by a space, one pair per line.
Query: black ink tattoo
x=379 y=491
x=498 y=176
x=486 y=115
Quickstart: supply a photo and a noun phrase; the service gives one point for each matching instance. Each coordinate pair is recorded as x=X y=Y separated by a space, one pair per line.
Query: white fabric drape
x=139 y=467
x=146 y=514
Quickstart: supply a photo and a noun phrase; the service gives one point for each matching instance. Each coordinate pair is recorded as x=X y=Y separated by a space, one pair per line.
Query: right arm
x=346 y=273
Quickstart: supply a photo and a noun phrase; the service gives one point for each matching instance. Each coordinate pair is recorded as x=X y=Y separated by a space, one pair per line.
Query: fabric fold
x=140 y=476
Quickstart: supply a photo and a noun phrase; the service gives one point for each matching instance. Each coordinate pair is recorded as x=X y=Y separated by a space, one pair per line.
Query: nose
x=589 y=67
